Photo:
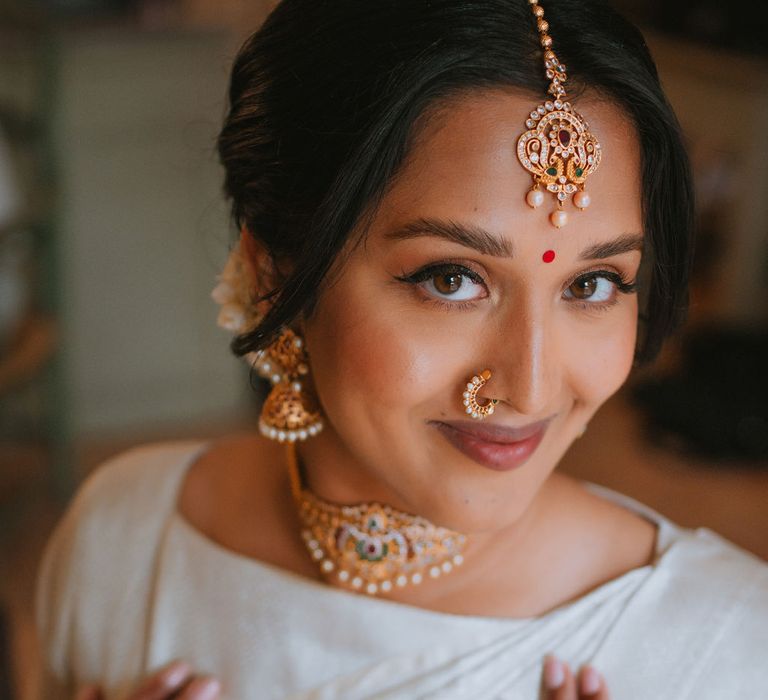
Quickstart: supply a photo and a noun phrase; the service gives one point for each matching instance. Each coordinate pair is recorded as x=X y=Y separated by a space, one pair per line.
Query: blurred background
x=112 y=230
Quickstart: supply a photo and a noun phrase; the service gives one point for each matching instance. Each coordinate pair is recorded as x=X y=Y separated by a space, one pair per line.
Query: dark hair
x=326 y=97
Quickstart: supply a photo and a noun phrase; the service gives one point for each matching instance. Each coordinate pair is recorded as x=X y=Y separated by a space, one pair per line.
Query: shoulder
x=729 y=587
x=698 y=626
x=134 y=489
x=146 y=469
x=705 y=560
x=100 y=554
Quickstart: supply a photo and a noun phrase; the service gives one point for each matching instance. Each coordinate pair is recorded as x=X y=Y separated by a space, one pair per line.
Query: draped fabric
x=127 y=584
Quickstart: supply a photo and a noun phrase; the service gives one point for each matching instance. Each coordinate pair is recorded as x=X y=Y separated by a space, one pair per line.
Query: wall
x=143 y=228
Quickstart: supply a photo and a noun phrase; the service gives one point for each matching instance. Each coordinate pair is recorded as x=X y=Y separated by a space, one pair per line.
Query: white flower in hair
x=235 y=292
x=231 y=318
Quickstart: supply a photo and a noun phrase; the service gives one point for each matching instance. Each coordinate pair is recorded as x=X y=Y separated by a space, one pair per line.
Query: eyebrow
x=625 y=243
x=485 y=242
x=469 y=236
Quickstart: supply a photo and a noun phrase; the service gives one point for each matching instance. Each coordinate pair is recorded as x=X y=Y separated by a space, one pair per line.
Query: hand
x=559 y=683
x=176 y=680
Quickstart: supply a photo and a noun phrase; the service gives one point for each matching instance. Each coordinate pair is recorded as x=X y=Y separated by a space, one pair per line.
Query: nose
x=526 y=365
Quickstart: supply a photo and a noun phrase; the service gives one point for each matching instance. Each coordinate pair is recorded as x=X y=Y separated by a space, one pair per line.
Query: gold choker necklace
x=370 y=547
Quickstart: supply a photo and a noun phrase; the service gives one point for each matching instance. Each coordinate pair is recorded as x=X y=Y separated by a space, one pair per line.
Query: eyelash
x=623 y=286
x=432 y=271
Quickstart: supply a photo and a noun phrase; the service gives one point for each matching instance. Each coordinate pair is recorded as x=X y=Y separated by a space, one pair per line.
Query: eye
x=599 y=287
x=455 y=285
x=448 y=281
x=591 y=287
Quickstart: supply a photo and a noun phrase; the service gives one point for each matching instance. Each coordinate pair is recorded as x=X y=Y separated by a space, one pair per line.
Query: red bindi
x=548 y=256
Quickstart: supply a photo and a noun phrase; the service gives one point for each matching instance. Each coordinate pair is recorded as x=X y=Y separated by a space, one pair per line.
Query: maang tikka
x=558 y=149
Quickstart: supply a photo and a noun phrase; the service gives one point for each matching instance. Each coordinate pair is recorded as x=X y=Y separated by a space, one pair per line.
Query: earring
x=473 y=408
x=290 y=411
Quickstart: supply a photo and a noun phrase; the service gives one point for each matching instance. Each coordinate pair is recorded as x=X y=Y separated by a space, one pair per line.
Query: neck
x=493 y=563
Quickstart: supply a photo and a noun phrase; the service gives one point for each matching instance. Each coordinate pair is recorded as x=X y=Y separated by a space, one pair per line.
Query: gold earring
x=290 y=411
x=472 y=407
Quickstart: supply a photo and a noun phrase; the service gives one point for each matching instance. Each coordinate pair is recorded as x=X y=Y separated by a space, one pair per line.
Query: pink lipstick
x=496 y=447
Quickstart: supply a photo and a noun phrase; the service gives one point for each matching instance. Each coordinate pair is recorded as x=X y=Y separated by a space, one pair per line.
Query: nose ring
x=472 y=407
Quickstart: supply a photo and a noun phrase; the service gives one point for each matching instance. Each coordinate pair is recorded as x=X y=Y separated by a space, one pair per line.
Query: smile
x=496 y=447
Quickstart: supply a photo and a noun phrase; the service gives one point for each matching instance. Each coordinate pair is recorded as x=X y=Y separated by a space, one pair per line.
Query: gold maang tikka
x=370 y=547
x=558 y=149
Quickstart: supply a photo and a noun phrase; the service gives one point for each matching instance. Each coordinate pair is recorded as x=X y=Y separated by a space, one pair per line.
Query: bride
x=452 y=215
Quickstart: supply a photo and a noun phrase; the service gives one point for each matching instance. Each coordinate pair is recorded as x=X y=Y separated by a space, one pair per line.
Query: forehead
x=463 y=163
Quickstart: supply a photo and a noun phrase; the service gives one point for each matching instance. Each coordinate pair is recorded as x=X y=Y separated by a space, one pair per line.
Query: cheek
x=603 y=359
x=365 y=355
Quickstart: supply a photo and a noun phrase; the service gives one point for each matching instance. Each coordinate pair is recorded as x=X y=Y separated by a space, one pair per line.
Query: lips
x=496 y=447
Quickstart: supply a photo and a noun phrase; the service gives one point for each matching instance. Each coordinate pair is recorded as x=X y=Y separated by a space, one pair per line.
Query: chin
x=467 y=505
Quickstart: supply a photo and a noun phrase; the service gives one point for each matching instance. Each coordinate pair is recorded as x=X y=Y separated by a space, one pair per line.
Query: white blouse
x=127 y=584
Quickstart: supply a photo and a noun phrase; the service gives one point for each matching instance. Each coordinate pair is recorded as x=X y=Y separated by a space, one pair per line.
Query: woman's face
x=451 y=280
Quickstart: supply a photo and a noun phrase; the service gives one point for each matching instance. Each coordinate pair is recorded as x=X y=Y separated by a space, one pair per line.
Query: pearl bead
x=535 y=198
x=558 y=218
x=582 y=199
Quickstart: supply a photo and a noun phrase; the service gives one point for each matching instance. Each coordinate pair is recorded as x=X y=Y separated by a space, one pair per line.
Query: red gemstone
x=564 y=137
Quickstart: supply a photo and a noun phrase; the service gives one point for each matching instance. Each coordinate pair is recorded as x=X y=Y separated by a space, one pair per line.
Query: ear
x=266 y=274
x=260 y=263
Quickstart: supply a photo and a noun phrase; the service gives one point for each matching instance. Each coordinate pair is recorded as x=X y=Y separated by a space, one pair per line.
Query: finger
x=89 y=692
x=558 y=680
x=164 y=682
x=592 y=684
x=202 y=688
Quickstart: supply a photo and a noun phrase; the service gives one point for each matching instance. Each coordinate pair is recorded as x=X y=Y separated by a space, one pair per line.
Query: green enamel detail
x=551 y=171
x=579 y=172
x=367 y=556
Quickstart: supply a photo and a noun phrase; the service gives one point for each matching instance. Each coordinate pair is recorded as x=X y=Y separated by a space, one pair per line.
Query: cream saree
x=127 y=584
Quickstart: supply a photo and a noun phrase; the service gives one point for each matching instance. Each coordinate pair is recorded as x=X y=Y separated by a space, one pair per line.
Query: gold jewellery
x=290 y=411
x=558 y=149
x=370 y=547
x=472 y=407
